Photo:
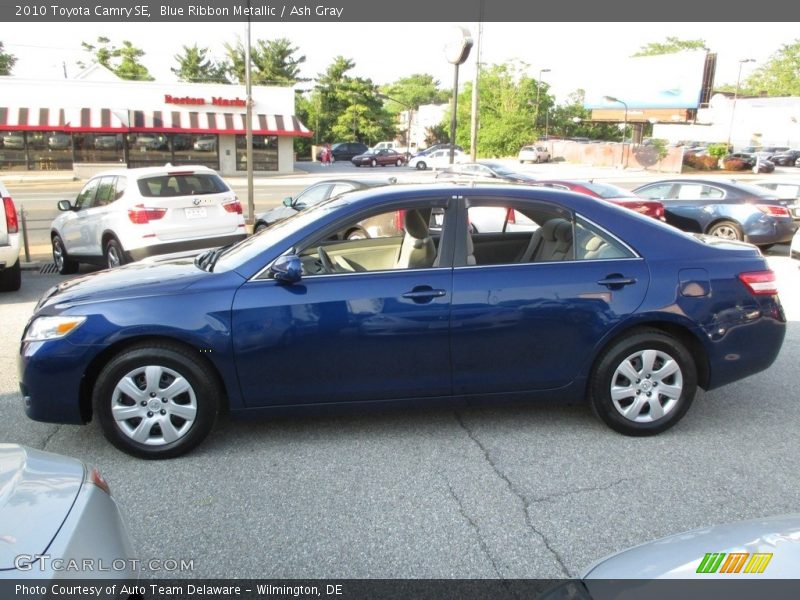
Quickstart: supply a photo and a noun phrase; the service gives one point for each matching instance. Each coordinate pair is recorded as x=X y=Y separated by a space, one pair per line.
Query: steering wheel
x=326 y=261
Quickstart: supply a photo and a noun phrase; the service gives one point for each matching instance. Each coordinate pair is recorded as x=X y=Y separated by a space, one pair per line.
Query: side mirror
x=287 y=269
x=287 y=201
x=64 y=205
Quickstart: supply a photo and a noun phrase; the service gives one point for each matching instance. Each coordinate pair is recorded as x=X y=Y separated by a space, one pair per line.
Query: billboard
x=662 y=81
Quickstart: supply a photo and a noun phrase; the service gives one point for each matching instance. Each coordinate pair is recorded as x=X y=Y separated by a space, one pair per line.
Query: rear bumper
x=184 y=246
x=775 y=232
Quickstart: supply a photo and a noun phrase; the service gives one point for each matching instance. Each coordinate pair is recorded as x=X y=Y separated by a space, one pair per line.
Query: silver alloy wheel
x=112 y=254
x=646 y=386
x=154 y=405
x=727 y=232
x=58 y=254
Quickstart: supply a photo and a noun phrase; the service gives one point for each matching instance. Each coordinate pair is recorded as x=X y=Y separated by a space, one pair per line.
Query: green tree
x=273 y=62
x=124 y=62
x=414 y=91
x=779 y=76
x=670 y=46
x=571 y=119
x=507 y=108
x=7 y=61
x=195 y=65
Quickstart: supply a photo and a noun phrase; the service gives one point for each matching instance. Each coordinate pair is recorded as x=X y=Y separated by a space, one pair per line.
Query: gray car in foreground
x=58 y=520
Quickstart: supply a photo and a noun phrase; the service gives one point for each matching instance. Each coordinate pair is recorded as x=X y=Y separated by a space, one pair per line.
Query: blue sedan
x=727 y=209
x=594 y=303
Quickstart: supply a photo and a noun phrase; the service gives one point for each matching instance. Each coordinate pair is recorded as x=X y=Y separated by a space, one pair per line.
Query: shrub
x=701 y=163
x=735 y=164
x=718 y=150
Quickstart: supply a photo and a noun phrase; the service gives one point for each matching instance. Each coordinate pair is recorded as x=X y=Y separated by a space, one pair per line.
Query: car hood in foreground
x=37 y=490
x=133 y=280
x=681 y=556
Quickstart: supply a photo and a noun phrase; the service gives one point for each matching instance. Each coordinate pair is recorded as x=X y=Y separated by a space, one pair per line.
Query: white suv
x=129 y=214
x=10 y=274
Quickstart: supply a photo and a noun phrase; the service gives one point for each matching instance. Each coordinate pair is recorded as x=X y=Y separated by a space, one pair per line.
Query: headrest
x=557 y=230
x=594 y=243
x=416 y=224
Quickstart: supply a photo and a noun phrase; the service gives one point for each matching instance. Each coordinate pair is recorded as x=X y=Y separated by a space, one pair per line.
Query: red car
x=384 y=157
x=612 y=193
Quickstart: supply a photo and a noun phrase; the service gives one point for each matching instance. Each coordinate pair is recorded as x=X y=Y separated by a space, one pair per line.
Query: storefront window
x=265 y=153
x=12 y=150
x=148 y=149
x=98 y=147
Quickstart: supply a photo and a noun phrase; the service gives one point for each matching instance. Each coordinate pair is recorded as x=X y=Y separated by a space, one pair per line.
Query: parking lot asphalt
x=525 y=491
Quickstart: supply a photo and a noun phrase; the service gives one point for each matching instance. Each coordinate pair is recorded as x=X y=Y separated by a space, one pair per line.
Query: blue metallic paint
x=319 y=341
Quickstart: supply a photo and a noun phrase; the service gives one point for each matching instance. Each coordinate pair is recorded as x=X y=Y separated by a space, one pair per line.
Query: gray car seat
x=551 y=242
x=417 y=250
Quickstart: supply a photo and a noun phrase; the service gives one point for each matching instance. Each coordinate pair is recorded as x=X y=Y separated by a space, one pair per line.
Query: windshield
x=499 y=168
x=606 y=190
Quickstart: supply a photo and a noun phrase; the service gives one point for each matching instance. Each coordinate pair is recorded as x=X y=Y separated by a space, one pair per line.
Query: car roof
x=140 y=172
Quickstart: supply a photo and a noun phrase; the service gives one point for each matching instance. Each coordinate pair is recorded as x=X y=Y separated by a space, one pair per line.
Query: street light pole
x=409 y=110
x=456 y=52
x=624 y=158
x=538 y=87
x=735 y=97
x=251 y=206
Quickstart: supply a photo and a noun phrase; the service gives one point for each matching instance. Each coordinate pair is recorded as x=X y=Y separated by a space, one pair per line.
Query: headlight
x=52 y=328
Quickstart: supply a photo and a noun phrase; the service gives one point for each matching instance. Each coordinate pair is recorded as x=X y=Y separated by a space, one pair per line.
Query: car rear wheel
x=727 y=230
x=11 y=278
x=64 y=264
x=156 y=401
x=115 y=256
x=643 y=383
x=356 y=234
x=373 y=163
x=421 y=166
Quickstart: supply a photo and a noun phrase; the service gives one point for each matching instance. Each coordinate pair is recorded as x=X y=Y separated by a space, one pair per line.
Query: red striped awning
x=62 y=119
x=215 y=122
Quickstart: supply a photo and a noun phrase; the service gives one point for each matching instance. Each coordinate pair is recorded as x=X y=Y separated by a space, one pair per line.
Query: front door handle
x=424 y=294
x=616 y=281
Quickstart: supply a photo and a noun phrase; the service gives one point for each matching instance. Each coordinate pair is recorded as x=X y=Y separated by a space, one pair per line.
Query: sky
x=577 y=54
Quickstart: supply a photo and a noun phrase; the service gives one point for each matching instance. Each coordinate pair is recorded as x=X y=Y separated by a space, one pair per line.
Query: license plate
x=195 y=213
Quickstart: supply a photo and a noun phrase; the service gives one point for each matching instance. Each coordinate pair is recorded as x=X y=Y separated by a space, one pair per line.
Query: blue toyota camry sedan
x=592 y=303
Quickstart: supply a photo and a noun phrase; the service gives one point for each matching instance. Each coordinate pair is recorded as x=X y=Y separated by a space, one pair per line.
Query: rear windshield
x=181 y=184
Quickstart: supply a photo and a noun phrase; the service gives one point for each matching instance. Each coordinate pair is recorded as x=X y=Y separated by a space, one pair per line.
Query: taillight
x=760 y=283
x=97 y=479
x=510 y=216
x=233 y=207
x=142 y=215
x=774 y=210
x=400 y=220
x=11 y=215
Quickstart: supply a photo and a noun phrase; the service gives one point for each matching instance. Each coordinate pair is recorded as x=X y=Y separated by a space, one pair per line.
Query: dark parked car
x=383 y=157
x=486 y=171
x=597 y=304
x=610 y=193
x=345 y=150
x=787 y=158
x=753 y=162
x=311 y=196
x=727 y=209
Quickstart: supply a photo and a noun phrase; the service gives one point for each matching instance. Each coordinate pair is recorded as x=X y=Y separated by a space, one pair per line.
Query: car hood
x=37 y=491
x=276 y=214
x=133 y=280
x=680 y=556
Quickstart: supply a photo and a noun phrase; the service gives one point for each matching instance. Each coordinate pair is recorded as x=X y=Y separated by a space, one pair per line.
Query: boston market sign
x=192 y=101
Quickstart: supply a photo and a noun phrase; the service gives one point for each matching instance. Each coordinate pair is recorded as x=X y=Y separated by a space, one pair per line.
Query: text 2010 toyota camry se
x=595 y=302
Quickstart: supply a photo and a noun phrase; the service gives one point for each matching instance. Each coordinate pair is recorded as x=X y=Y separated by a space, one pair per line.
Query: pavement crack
x=50 y=436
x=565 y=493
x=526 y=503
x=477 y=530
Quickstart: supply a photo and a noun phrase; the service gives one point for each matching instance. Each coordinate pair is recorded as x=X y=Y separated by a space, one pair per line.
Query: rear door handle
x=616 y=281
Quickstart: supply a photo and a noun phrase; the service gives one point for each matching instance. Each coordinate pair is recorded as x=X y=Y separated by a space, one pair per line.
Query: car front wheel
x=156 y=401
x=421 y=166
x=373 y=163
x=64 y=264
x=643 y=383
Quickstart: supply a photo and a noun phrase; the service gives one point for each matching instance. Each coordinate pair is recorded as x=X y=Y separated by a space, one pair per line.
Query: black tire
x=421 y=166
x=765 y=247
x=11 y=278
x=205 y=394
x=373 y=163
x=64 y=264
x=356 y=234
x=260 y=226
x=114 y=254
x=399 y=162
x=625 y=353
x=729 y=230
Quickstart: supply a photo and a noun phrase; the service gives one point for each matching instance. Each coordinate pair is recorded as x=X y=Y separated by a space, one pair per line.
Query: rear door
x=522 y=325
